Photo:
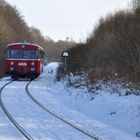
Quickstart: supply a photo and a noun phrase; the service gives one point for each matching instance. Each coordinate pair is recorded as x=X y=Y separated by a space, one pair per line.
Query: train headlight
x=32 y=69
x=32 y=63
x=12 y=63
x=11 y=68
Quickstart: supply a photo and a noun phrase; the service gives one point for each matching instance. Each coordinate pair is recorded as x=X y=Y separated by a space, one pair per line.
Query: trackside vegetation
x=113 y=48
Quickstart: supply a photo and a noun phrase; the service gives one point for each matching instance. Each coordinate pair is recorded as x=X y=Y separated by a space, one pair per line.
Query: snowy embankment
x=101 y=110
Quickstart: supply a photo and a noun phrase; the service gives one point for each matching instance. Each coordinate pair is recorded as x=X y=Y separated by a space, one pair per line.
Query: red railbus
x=24 y=60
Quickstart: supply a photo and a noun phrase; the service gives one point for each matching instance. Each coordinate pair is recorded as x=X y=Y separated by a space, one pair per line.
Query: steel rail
x=91 y=135
x=13 y=121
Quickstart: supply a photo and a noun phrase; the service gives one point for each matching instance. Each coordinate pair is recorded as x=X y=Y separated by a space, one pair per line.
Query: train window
x=7 y=53
x=16 y=54
x=41 y=54
x=29 y=54
x=37 y=54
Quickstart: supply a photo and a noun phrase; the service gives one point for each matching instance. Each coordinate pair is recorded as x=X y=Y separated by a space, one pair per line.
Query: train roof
x=16 y=46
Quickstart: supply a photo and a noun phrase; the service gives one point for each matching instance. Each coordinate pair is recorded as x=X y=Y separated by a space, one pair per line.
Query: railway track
x=84 y=131
x=10 y=117
x=24 y=132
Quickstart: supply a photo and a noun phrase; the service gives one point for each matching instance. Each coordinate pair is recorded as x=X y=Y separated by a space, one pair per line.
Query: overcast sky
x=61 y=18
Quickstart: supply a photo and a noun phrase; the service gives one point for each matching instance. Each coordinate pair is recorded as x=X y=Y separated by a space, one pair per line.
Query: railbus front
x=24 y=60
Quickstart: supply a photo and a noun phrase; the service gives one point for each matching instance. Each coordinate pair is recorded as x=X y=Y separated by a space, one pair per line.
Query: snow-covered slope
x=109 y=116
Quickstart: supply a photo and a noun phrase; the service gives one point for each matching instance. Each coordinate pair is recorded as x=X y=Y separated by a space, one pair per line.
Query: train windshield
x=29 y=54
x=17 y=54
x=21 y=54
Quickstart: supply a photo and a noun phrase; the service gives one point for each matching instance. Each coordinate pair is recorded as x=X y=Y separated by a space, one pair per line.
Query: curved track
x=14 y=122
x=91 y=135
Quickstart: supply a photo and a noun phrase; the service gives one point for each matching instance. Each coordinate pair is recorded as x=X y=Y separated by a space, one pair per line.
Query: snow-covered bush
x=80 y=81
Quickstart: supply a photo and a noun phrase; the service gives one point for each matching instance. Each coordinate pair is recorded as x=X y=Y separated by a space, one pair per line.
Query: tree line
x=113 y=48
x=13 y=28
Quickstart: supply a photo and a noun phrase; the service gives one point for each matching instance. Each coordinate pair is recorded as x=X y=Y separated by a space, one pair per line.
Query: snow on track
x=55 y=99
x=38 y=124
x=48 y=110
x=7 y=130
x=109 y=116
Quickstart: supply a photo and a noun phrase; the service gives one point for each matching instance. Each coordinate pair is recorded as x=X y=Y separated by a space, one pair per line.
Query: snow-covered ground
x=108 y=115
